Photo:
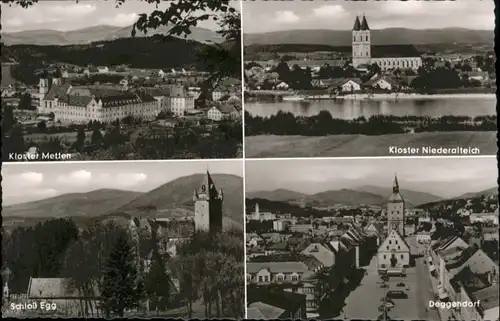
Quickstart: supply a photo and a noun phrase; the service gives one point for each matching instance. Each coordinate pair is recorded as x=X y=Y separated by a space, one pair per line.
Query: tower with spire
x=208 y=206
x=396 y=210
x=361 y=42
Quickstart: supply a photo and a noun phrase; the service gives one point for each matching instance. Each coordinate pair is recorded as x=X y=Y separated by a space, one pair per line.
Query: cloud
x=73 y=10
x=13 y=23
x=121 y=19
x=403 y=8
x=30 y=178
x=286 y=16
x=329 y=11
x=76 y=178
x=130 y=179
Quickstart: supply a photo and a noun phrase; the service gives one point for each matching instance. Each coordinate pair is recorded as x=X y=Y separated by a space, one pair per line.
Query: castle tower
x=208 y=206
x=361 y=42
x=396 y=210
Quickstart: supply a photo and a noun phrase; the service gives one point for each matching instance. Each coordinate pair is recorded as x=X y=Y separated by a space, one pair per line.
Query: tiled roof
x=226 y=109
x=451 y=252
x=281 y=299
x=114 y=101
x=278 y=246
x=462 y=259
x=443 y=242
x=277 y=267
x=312 y=262
x=81 y=101
x=44 y=288
x=268 y=311
x=487 y=297
x=57 y=91
x=471 y=281
x=255 y=313
x=394 y=51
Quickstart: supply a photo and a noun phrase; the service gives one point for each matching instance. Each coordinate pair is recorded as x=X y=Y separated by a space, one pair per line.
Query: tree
x=42 y=126
x=14 y=142
x=25 y=102
x=222 y=60
x=120 y=289
x=96 y=139
x=80 y=139
x=8 y=119
x=188 y=283
x=157 y=284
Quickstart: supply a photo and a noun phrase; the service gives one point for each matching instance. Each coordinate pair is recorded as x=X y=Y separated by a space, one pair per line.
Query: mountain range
x=170 y=199
x=388 y=36
x=367 y=195
x=95 y=34
x=488 y=192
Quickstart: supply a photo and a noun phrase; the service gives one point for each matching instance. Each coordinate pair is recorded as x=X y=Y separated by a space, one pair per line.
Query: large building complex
x=81 y=104
x=385 y=56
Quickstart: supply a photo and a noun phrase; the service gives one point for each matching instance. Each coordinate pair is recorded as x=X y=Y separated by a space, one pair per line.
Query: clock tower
x=396 y=210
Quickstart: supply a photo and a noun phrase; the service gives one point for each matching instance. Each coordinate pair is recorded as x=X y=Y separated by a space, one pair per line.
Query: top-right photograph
x=369 y=78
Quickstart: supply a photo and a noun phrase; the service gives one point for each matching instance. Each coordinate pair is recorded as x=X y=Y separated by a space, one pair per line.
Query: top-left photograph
x=121 y=80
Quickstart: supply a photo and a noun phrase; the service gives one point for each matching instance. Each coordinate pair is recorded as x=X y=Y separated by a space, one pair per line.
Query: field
x=269 y=146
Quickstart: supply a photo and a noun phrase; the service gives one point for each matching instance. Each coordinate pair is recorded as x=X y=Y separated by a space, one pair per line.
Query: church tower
x=361 y=42
x=396 y=210
x=208 y=206
x=43 y=88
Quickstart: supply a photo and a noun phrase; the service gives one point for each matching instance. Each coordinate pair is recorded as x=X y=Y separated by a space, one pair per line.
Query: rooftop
x=277 y=267
x=265 y=310
x=394 y=51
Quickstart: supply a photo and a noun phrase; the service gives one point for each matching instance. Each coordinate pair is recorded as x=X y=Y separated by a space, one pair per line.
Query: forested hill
x=151 y=52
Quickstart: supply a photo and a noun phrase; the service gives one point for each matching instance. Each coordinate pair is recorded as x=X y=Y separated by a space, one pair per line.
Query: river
x=351 y=109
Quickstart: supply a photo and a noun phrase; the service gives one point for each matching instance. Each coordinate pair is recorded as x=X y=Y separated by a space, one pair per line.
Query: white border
x=368 y=157
x=244 y=158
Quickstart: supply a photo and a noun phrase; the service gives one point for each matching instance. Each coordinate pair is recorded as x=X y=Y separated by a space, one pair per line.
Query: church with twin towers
x=393 y=56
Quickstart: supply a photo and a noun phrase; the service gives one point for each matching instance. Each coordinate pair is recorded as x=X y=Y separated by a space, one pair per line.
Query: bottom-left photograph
x=123 y=239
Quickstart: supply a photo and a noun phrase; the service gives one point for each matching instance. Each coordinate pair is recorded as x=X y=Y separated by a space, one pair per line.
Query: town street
x=364 y=301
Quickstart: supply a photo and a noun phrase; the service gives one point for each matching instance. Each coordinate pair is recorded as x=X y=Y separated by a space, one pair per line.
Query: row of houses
x=465 y=273
x=303 y=264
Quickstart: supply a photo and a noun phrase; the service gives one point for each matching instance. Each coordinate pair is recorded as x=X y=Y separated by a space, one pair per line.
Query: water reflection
x=351 y=109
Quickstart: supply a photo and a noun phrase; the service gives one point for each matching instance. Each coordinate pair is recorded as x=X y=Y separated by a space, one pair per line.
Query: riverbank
x=418 y=96
x=266 y=94
x=273 y=146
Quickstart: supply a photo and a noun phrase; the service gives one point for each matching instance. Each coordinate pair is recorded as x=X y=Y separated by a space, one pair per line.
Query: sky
x=444 y=177
x=29 y=182
x=340 y=15
x=71 y=15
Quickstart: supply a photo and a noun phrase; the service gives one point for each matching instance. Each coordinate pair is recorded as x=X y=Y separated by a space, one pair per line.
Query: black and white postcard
x=372 y=239
x=369 y=78
x=121 y=80
x=128 y=239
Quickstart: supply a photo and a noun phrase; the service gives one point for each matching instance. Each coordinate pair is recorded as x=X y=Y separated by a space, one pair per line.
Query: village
x=301 y=266
x=72 y=107
x=323 y=72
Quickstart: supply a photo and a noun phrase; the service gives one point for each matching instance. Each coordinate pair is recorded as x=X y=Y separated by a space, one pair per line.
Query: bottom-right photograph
x=385 y=239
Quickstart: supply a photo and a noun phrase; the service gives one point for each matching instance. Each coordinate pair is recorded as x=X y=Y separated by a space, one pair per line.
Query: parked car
x=401 y=285
x=397 y=295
